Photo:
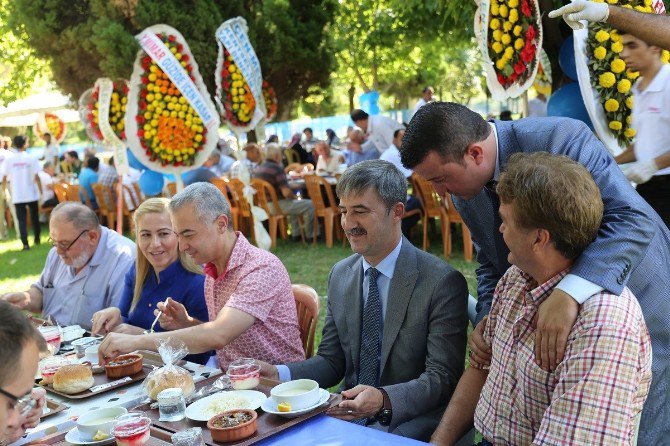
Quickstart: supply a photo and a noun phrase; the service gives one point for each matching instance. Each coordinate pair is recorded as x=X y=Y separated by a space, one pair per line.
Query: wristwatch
x=385 y=414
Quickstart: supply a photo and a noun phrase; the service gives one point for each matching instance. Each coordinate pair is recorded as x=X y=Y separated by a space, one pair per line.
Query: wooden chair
x=266 y=194
x=322 y=209
x=60 y=189
x=172 y=189
x=78 y=193
x=292 y=156
x=454 y=217
x=307 y=306
x=105 y=198
x=138 y=193
x=222 y=185
x=432 y=208
x=238 y=199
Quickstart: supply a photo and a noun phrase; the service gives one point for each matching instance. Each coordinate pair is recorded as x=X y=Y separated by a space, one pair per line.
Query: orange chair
x=454 y=217
x=172 y=189
x=78 y=193
x=222 y=185
x=236 y=187
x=60 y=190
x=307 y=306
x=432 y=208
x=266 y=194
x=328 y=211
x=104 y=197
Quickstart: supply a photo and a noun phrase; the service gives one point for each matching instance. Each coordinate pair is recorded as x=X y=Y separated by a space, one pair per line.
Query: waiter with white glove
x=652 y=28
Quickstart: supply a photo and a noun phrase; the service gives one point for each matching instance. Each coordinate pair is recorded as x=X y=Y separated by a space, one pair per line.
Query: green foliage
x=20 y=68
x=87 y=39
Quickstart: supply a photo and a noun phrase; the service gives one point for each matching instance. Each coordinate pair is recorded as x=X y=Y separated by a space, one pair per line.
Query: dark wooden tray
x=158 y=438
x=54 y=407
x=268 y=424
x=101 y=378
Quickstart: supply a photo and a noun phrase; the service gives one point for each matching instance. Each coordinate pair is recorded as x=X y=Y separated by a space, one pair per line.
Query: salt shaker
x=171 y=404
x=189 y=437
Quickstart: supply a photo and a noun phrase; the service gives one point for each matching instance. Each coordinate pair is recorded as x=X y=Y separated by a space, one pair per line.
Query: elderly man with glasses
x=83 y=272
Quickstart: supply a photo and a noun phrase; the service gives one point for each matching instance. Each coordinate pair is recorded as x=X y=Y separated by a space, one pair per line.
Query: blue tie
x=371 y=334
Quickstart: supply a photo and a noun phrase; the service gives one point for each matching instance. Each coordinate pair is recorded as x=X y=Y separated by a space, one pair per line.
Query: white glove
x=641 y=172
x=582 y=10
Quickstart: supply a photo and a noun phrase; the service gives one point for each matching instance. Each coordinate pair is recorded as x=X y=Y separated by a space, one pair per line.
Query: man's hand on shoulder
x=555 y=318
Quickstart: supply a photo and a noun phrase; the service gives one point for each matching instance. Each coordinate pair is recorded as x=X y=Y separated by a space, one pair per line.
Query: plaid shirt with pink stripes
x=595 y=393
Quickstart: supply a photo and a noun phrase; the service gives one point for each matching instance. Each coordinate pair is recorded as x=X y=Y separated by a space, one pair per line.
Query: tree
x=20 y=68
x=87 y=39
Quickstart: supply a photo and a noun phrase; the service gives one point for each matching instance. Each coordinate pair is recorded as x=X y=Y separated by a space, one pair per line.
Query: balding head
x=77 y=215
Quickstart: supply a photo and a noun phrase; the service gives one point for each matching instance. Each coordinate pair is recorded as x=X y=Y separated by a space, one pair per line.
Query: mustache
x=356 y=231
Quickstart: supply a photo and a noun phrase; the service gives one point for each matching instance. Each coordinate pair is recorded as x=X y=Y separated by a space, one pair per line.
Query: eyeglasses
x=23 y=404
x=64 y=245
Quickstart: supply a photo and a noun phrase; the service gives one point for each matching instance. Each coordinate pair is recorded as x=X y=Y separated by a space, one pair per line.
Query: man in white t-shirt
x=50 y=149
x=426 y=97
x=651 y=120
x=392 y=155
x=4 y=154
x=21 y=170
x=48 y=199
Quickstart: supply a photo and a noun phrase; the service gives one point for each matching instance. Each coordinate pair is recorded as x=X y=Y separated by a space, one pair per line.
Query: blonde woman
x=160 y=271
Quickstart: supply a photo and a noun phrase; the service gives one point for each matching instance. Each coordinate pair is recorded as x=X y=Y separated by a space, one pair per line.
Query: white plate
x=72 y=332
x=73 y=437
x=269 y=406
x=206 y=408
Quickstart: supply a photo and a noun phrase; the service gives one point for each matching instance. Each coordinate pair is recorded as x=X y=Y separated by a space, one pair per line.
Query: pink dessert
x=132 y=431
x=244 y=374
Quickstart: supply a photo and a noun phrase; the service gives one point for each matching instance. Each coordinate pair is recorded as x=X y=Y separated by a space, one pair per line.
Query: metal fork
x=151 y=330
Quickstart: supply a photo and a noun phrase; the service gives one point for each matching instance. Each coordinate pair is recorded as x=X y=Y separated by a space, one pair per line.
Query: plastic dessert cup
x=132 y=431
x=244 y=374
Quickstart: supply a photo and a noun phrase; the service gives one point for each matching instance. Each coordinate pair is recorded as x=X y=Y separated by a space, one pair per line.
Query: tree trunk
x=351 y=93
x=251 y=136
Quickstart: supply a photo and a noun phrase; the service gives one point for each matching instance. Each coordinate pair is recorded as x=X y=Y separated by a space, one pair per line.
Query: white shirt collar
x=656 y=83
x=387 y=265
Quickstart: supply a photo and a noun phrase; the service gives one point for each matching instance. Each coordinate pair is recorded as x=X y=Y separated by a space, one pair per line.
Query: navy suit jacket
x=632 y=247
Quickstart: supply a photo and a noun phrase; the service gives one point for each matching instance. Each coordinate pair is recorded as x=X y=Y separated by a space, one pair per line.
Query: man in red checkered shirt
x=551 y=210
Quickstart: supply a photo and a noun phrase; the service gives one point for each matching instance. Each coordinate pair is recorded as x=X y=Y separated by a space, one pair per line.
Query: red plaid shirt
x=595 y=393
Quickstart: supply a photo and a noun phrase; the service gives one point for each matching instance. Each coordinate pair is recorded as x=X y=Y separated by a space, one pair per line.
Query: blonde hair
x=154 y=206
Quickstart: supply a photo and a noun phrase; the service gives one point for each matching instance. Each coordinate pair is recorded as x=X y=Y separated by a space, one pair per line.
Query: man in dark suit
x=396 y=322
x=462 y=154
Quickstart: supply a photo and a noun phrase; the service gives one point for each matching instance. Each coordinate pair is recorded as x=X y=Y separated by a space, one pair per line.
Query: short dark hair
x=555 y=193
x=19 y=141
x=308 y=129
x=381 y=176
x=73 y=154
x=16 y=332
x=444 y=127
x=358 y=115
x=93 y=163
x=506 y=115
x=397 y=132
x=426 y=88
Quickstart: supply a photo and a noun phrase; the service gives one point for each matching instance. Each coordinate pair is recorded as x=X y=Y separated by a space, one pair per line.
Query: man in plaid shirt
x=551 y=209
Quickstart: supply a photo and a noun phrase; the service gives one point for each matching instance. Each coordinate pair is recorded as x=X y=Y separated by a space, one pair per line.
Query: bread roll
x=72 y=379
x=168 y=378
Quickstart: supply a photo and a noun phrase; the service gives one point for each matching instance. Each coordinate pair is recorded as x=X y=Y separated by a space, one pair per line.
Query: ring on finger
x=349 y=412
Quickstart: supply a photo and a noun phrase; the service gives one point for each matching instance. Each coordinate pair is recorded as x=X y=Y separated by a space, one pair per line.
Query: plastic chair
x=292 y=156
x=172 y=189
x=328 y=211
x=432 y=209
x=455 y=217
x=266 y=194
x=60 y=190
x=307 y=306
x=236 y=187
x=104 y=197
x=222 y=185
